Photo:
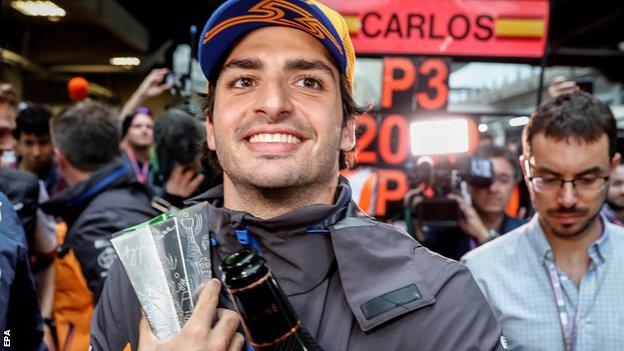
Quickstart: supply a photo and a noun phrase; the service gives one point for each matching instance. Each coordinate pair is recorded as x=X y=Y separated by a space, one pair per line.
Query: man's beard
x=573 y=211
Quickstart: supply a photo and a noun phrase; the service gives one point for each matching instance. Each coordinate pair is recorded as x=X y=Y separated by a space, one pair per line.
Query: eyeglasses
x=587 y=184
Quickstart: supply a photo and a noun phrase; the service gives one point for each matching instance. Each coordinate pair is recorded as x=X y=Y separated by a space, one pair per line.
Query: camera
x=440 y=147
x=444 y=178
x=175 y=81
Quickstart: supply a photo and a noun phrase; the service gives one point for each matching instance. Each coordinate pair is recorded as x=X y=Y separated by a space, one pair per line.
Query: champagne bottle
x=269 y=320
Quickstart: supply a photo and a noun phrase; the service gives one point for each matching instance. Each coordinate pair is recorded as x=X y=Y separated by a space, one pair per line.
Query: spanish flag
x=520 y=27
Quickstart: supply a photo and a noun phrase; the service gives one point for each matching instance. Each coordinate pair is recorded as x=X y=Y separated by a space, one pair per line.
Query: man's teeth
x=274 y=138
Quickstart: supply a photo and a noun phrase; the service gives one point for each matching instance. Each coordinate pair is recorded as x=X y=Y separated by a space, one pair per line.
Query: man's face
x=36 y=151
x=568 y=212
x=7 y=125
x=141 y=131
x=494 y=199
x=615 y=195
x=277 y=119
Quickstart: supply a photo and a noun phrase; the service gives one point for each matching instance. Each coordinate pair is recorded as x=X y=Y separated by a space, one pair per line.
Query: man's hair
x=577 y=115
x=8 y=94
x=350 y=110
x=33 y=120
x=128 y=119
x=87 y=133
x=495 y=151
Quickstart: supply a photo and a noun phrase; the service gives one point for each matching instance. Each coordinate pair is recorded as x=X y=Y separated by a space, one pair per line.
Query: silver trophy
x=167 y=261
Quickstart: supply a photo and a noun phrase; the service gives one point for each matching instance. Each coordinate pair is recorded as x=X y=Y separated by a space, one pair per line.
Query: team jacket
x=109 y=201
x=20 y=320
x=356 y=284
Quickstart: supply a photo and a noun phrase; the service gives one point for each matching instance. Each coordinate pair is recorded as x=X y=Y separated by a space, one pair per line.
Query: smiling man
x=280 y=121
x=556 y=282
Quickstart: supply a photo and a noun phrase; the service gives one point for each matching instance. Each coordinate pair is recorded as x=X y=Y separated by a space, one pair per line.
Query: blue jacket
x=20 y=317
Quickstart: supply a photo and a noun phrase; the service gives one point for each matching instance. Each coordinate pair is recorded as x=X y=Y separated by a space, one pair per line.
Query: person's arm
x=151 y=86
x=471 y=223
x=47 y=304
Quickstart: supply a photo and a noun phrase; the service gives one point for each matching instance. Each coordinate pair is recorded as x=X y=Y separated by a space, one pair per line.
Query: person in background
x=103 y=197
x=35 y=153
x=137 y=131
x=483 y=217
x=25 y=192
x=613 y=209
x=8 y=113
x=280 y=120
x=556 y=282
x=20 y=318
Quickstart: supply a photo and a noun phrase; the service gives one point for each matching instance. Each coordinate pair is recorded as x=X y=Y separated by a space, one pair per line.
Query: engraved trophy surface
x=167 y=261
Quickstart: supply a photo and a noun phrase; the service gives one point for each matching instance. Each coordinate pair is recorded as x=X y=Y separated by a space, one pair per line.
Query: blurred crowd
x=68 y=181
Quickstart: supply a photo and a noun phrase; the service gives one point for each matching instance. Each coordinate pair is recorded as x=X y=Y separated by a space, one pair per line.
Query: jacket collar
x=299 y=256
x=72 y=201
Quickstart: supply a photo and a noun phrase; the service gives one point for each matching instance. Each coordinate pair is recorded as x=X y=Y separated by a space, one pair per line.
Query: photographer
x=482 y=220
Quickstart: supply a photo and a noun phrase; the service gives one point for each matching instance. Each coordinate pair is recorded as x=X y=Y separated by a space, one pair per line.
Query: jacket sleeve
x=115 y=321
x=469 y=317
x=24 y=317
x=89 y=239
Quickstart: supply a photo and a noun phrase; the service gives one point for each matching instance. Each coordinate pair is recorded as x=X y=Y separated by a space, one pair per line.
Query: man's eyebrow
x=542 y=169
x=247 y=63
x=591 y=170
x=307 y=65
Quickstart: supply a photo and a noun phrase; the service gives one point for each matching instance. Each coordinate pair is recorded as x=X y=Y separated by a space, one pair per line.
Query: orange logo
x=272 y=11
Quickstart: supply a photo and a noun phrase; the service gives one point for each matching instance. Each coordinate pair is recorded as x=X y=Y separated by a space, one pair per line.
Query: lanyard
x=568 y=331
x=140 y=174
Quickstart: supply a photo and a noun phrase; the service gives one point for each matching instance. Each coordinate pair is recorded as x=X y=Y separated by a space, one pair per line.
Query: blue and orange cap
x=235 y=18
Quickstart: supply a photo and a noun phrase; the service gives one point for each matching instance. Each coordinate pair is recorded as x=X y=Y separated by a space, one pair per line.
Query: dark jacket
x=109 y=201
x=454 y=242
x=19 y=308
x=356 y=284
x=22 y=188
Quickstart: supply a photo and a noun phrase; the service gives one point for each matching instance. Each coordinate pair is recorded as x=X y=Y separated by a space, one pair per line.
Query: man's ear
x=347 y=136
x=60 y=157
x=210 y=134
x=615 y=162
x=61 y=160
x=524 y=164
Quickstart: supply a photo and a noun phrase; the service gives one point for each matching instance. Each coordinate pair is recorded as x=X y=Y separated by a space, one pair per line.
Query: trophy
x=167 y=260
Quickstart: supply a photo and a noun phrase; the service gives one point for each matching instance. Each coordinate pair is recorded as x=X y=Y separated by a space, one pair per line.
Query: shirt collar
x=598 y=250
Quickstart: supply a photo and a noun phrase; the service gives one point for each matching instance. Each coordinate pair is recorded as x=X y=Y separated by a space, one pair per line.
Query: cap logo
x=272 y=11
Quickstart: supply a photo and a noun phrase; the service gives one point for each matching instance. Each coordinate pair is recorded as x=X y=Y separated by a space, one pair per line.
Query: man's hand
x=471 y=223
x=561 y=85
x=201 y=332
x=183 y=181
x=153 y=84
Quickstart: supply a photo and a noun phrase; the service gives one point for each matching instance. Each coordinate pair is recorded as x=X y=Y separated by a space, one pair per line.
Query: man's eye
x=550 y=181
x=586 y=180
x=243 y=82
x=310 y=83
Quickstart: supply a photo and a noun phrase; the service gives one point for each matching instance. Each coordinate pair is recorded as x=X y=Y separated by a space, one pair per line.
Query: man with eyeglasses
x=557 y=282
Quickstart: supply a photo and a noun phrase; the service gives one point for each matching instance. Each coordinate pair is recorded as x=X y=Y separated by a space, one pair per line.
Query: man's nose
x=567 y=195
x=36 y=150
x=274 y=100
x=7 y=143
